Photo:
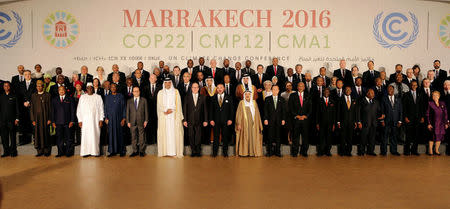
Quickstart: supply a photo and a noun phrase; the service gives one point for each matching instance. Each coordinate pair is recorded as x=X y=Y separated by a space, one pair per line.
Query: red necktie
x=326 y=102
x=275 y=70
x=301 y=100
x=61 y=99
x=214 y=73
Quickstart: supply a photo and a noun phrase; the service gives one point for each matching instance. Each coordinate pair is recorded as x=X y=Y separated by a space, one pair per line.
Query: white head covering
x=212 y=85
x=250 y=104
x=168 y=96
x=89 y=84
x=250 y=88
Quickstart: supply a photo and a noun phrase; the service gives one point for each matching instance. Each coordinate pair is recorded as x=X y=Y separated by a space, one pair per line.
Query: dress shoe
x=437 y=154
x=85 y=156
x=58 y=155
x=134 y=154
x=111 y=155
x=278 y=154
x=199 y=154
x=294 y=155
x=193 y=155
x=39 y=154
x=348 y=154
x=415 y=153
x=268 y=155
x=406 y=154
x=142 y=154
x=329 y=154
x=6 y=155
x=383 y=154
x=429 y=154
x=69 y=155
x=360 y=154
x=319 y=154
x=47 y=154
x=372 y=154
x=305 y=155
x=225 y=154
x=122 y=154
x=14 y=154
x=395 y=153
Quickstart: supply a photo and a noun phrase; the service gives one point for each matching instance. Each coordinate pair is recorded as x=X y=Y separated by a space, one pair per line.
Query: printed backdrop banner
x=319 y=33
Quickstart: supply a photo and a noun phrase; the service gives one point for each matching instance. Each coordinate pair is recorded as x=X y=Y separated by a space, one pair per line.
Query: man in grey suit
x=137 y=119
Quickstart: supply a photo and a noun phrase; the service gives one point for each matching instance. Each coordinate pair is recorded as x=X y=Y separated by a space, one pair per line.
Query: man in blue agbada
x=115 y=119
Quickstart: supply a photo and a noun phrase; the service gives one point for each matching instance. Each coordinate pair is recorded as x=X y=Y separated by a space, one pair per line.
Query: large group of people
x=241 y=106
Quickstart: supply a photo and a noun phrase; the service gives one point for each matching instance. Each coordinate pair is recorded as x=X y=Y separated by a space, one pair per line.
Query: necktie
x=301 y=100
x=275 y=69
x=275 y=102
x=324 y=81
x=392 y=101
x=320 y=91
x=414 y=96
x=428 y=94
x=84 y=79
x=220 y=101
x=359 y=91
x=135 y=103
x=62 y=98
x=348 y=102
x=371 y=72
x=343 y=73
x=238 y=75
x=227 y=90
x=326 y=102
x=28 y=84
x=195 y=99
x=400 y=91
x=153 y=89
x=214 y=72
x=21 y=78
x=201 y=68
x=260 y=79
x=185 y=87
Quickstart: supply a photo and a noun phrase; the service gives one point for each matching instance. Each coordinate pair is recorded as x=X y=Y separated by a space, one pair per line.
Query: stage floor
x=152 y=182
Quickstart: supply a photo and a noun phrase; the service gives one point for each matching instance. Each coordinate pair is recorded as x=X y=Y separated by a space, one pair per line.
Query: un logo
x=11 y=29
x=397 y=30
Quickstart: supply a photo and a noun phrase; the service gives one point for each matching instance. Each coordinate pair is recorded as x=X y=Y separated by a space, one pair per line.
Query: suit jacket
x=24 y=93
x=217 y=76
x=326 y=114
x=220 y=115
x=138 y=116
x=195 y=115
x=9 y=109
x=379 y=93
x=15 y=82
x=142 y=83
x=297 y=79
x=229 y=71
x=122 y=77
x=393 y=76
x=346 y=115
x=368 y=79
x=414 y=111
x=255 y=80
x=327 y=80
x=274 y=116
x=392 y=114
x=89 y=78
x=151 y=101
x=249 y=71
x=180 y=80
x=66 y=80
x=296 y=109
x=347 y=78
x=183 y=90
x=186 y=70
x=355 y=93
x=54 y=90
x=335 y=96
x=63 y=112
x=205 y=71
x=369 y=112
x=145 y=74
x=271 y=72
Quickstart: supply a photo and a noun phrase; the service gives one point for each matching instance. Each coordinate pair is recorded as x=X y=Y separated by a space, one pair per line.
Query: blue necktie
x=135 y=104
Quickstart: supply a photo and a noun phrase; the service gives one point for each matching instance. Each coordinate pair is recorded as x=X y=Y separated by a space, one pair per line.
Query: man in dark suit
x=248 y=68
x=15 y=80
x=379 y=89
x=115 y=69
x=59 y=72
x=393 y=112
x=343 y=73
x=60 y=81
x=440 y=75
x=325 y=123
x=358 y=91
x=201 y=67
x=398 y=70
x=413 y=113
x=370 y=75
x=227 y=70
x=409 y=77
x=184 y=87
x=138 y=79
x=177 y=77
x=150 y=92
x=323 y=75
x=215 y=72
x=137 y=119
x=276 y=70
x=370 y=113
x=259 y=78
x=145 y=74
x=9 y=119
x=63 y=117
x=348 y=117
x=195 y=115
x=84 y=76
x=338 y=93
x=26 y=88
x=298 y=75
x=189 y=69
x=274 y=119
x=221 y=114
x=127 y=90
x=300 y=109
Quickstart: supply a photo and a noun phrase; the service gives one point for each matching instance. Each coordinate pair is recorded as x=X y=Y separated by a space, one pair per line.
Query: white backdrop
x=105 y=36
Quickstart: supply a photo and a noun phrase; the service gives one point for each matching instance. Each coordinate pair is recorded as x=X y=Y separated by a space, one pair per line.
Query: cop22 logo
x=393 y=36
x=8 y=26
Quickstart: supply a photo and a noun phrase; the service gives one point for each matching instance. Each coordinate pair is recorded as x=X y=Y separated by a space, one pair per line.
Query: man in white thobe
x=90 y=118
x=170 y=116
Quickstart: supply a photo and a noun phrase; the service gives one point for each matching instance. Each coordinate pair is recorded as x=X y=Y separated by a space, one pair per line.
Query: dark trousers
x=325 y=139
x=25 y=126
x=273 y=138
x=300 y=128
x=64 y=141
x=224 y=130
x=391 y=136
x=76 y=134
x=367 y=143
x=138 y=134
x=412 y=137
x=8 y=133
x=346 y=130
x=195 y=138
